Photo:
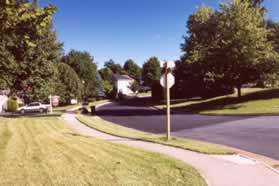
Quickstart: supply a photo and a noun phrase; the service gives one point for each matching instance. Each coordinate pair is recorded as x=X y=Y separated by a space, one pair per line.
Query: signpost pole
x=167 y=89
x=50 y=103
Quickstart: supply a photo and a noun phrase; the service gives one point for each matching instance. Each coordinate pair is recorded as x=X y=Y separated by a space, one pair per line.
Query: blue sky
x=123 y=29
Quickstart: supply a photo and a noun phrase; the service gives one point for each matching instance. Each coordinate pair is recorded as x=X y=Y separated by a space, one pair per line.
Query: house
x=3 y=101
x=122 y=83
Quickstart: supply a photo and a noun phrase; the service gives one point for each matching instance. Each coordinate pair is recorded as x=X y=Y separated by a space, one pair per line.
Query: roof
x=117 y=77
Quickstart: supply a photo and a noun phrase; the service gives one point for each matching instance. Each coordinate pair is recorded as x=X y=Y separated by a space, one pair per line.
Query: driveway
x=254 y=134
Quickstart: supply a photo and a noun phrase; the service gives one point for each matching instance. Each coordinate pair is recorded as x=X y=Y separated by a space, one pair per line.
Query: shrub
x=78 y=111
x=12 y=105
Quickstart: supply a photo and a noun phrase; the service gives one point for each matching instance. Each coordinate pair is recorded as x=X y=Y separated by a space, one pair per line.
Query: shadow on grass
x=223 y=103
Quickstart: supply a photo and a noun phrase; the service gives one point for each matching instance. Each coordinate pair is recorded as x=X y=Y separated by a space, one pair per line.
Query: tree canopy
x=83 y=64
x=114 y=67
x=231 y=45
x=274 y=34
x=151 y=71
x=28 y=46
x=106 y=74
x=68 y=84
x=132 y=69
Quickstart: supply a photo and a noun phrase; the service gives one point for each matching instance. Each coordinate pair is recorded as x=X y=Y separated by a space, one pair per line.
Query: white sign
x=170 y=79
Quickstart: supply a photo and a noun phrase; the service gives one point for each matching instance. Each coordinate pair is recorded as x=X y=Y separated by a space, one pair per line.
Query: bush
x=77 y=111
x=12 y=105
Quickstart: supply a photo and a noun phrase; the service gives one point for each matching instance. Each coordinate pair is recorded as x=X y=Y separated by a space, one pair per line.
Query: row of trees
x=226 y=49
x=145 y=76
x=31 y=61
x=223 y=49
x=33 y=66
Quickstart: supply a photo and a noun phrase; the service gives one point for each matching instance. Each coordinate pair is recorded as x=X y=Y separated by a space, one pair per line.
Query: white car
x=34 y=107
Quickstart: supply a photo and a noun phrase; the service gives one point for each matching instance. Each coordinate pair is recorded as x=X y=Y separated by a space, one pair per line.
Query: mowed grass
x=253 y=102
x=117 y=130
x=44 y=151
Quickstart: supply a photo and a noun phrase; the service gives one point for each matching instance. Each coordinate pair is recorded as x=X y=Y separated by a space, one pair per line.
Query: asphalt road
x=254 y=134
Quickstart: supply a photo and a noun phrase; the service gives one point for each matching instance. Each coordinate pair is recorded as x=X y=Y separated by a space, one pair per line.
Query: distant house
x=123 y=83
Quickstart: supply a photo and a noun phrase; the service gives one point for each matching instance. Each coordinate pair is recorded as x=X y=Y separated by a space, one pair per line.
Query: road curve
x=257 y=134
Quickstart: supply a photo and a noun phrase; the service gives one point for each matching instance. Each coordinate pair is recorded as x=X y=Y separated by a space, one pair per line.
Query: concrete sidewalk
x=217 y=170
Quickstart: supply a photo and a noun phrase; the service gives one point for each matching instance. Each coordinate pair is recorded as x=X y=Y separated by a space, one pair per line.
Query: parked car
x=33 y=107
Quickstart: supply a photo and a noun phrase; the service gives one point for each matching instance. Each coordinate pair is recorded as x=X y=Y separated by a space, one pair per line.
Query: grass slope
x=264 y=101
x=117 y=130
x=44 y=151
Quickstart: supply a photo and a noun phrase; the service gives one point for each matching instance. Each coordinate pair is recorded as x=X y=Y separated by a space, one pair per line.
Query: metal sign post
x=167 y=81
x=167 y=89
x=50 y=103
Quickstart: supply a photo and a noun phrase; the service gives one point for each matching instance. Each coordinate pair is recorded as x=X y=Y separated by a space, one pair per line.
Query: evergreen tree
x=151 y=71
x=132 y=69
x=114 y=67
x=68 y=84
x=83 y=64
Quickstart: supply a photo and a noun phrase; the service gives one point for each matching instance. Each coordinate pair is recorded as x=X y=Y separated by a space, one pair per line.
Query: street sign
x=167 y=81
x=170 y=79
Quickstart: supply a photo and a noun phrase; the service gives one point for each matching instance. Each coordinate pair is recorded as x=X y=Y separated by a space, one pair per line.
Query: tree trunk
x=239 y=91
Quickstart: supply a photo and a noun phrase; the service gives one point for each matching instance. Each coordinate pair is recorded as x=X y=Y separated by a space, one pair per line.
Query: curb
x=261 y=162
x=212 y=114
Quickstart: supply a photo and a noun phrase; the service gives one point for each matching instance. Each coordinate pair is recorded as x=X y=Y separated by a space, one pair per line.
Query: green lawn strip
x=258 y=102
x=45 y=151
x=117 y=130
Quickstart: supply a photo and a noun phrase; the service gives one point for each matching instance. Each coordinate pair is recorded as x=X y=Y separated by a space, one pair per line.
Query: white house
x=3 y=102
x=123 y=83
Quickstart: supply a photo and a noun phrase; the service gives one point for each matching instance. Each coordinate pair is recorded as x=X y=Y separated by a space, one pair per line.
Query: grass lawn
x=44 y=151
x=110 y=128
x=254 y=101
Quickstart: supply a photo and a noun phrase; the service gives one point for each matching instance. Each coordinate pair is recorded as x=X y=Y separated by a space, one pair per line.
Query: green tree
x=106 y=74
x=114 y=67
x=134 y=86
x=108 y=86
x=132 y=69
x=151 y=71
x=274 y=34
x=86 y=69
x=28 y=46
x=255 y=3
x=231 y=44
x=68 y=84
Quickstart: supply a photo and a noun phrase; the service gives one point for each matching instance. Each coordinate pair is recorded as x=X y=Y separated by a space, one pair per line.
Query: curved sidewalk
x=217 y=170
